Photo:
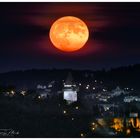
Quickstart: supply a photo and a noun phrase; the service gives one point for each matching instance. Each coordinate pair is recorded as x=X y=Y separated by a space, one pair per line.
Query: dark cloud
x=125 y=34
x=20 y=32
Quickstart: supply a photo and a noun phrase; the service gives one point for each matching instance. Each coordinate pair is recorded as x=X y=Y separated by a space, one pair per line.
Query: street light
x=77 y=107
x=82 y=135
x=93 y=128
x=64 y=112
x=72 y=119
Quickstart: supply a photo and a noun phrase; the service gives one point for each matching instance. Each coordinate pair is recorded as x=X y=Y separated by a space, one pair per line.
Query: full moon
x=69 y=33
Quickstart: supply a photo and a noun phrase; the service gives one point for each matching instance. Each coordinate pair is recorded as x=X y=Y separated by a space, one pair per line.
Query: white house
x=117 y=91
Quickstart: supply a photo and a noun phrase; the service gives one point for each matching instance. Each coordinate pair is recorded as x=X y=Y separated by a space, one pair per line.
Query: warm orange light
x=137 y=125
x=128 y=131
x=69 y=33
x=118 y=124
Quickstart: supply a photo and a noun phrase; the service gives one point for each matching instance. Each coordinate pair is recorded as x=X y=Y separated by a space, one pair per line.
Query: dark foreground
x=28 y=118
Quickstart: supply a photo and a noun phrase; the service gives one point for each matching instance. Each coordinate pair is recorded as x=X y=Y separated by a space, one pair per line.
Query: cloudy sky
x=24 y=35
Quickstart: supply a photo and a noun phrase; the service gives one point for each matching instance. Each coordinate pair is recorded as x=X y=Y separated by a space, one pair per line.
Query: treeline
x=124 y=76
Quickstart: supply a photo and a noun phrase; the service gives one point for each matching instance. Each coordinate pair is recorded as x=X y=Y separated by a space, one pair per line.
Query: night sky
x=24 y=35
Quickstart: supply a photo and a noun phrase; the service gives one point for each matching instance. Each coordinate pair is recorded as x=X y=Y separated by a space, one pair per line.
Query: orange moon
x=69 y=33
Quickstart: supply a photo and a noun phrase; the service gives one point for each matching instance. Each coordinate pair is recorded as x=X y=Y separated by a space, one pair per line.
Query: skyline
x=25 y=43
